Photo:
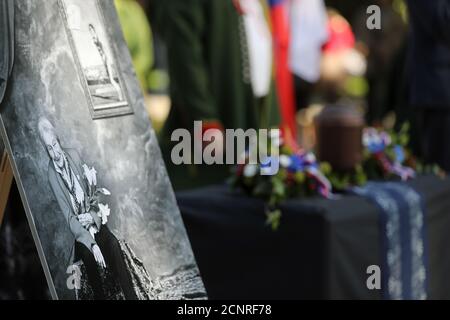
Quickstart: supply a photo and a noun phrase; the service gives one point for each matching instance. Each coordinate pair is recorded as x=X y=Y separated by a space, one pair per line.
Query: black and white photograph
x=98 y=199
x=74 y=186
x=95 y=58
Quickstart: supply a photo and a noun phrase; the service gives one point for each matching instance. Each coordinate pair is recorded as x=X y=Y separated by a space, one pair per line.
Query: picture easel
x=6 y=179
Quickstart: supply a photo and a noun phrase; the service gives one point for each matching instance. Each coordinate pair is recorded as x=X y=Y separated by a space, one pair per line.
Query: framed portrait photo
x=92 y=181
x=95 y=59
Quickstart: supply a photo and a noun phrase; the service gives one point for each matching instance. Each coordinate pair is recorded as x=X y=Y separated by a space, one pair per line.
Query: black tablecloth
x=321 y=251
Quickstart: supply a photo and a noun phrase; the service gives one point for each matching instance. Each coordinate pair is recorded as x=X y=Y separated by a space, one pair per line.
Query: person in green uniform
x=213 y=67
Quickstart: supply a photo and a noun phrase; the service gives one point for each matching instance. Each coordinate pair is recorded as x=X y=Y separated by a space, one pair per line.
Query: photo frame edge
x=28 y=214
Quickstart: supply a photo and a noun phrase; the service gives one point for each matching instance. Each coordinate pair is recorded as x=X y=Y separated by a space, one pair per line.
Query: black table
x=321 y=251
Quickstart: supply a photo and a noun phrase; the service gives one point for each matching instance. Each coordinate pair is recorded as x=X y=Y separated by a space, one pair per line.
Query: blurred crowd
x=277 y=63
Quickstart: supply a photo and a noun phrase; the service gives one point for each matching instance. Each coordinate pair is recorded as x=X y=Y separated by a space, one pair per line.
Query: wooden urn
x=339 y=137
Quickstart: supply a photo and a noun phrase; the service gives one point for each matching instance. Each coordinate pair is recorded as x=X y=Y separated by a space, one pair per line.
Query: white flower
x=365 y=140
x=250 y=170
x=90 y=174
x=104 y=191
x=311 y=158
x=93 y=231
x=285 y=161
x=94 y=176
x=369 y=136
x=104 y=212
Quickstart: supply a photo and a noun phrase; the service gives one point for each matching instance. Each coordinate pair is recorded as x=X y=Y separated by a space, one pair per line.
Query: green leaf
x=279 y=187
x=326 y=168
x=273 y=219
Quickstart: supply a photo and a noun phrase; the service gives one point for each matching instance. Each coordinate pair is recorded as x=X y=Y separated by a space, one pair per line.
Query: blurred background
x=366 y=72
x=323 y=53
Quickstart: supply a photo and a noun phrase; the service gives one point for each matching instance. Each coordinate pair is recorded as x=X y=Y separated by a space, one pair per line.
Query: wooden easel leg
x=6 y=179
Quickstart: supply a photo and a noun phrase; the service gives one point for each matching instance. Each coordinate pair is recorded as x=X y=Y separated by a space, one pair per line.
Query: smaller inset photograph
x=96 y=61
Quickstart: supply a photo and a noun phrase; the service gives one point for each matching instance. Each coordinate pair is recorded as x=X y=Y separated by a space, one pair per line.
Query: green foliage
x=274 y=219
x=343 y=180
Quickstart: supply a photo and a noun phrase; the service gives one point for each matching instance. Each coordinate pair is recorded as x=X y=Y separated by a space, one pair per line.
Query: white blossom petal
x=285 y=161
x=250 y=170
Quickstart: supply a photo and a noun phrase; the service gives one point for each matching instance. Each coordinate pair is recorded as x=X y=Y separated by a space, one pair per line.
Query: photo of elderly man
x=95 y=245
